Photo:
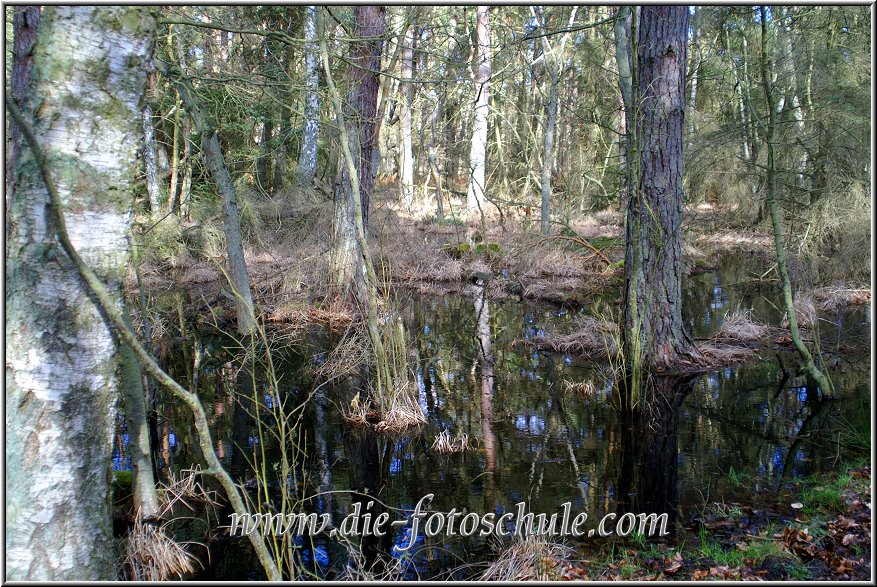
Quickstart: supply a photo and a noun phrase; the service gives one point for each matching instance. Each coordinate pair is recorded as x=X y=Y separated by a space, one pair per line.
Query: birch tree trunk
x=653 y=329
x=623 y=60
x=478 y=149
x=150 y=160
x=307 y=160
x=406 y=155
x=90 y=70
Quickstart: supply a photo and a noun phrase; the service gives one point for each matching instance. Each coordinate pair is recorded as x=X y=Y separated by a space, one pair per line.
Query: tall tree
x=478 y=149
x=307 y=160
x=25 y=24
x=553 y=59
x=61 y=363
x=239 y=278
x=653 y=332
x=363 y=83
x=770 y=134
x=406 y=155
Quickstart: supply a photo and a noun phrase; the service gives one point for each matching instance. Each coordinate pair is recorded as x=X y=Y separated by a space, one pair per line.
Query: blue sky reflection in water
x=552 y=446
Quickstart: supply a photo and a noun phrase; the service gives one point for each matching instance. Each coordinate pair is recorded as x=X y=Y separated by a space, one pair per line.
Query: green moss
x=460 y=250
x=121 y=486
x=817 y=498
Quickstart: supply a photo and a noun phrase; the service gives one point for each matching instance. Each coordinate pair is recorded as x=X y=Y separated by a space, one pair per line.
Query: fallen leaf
x=674 y=566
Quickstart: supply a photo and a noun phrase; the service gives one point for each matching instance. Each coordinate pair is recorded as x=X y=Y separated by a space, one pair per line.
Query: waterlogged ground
x=547 y=433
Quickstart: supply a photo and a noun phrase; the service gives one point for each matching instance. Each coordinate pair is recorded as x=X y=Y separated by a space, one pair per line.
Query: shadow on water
x=545 y=429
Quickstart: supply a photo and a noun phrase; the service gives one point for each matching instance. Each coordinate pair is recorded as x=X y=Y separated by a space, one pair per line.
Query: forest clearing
x=270 y=268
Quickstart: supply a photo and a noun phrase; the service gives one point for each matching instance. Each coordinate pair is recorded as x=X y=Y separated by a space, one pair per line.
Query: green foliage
x=827 y=497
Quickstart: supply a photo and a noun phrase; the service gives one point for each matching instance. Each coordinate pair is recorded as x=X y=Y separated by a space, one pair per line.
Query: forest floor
x=288 y=256
x=824 y=533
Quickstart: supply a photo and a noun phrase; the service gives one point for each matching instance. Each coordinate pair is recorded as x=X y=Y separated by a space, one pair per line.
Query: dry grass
x=592 y=338
x=739 y=326
x=150 y=552
x=722 y=355
x=400 y=412
x=530 y=558
x=444 y=443
x=394 y=415
x=152 y=555
x=583 y=388
x=805 y=311
x=842 y=296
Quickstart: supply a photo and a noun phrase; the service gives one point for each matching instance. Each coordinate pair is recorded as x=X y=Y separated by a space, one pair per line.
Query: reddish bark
x=655 y=210
x=25 y=24
x=365 y=58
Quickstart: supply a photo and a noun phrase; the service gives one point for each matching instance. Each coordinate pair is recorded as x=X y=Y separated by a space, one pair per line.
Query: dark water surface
x=738 y=434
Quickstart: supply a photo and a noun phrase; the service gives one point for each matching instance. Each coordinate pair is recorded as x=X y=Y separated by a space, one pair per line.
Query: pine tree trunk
x=347 y=268
x=61 y=364
x=25 y=24
x=369 y=25
x=653 y=327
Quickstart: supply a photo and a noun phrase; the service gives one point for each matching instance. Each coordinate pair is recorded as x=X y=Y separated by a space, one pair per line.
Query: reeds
x=529 y=558
x=739 y=326
x=583 y=388
x=150 y=554
x=446 y=444
x=592 y=338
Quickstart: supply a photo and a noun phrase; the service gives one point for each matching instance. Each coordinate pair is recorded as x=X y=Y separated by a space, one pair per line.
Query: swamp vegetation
x=298 y=259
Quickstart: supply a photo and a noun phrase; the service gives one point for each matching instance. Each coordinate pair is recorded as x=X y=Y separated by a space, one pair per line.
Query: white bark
x=478 y=150
x=150 y=158
x=307 y=161
x=90 y=76
x=406 y=156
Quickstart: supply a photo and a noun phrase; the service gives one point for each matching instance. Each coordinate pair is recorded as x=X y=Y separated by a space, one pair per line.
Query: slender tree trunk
x=61 y=362
x=307 y=160
x=348 y=274
x=478 y=152
x=432 y=154
x=695 y=73
x=263 y=163
x=623 y=60
x=741 y=108
x=139 y=446
x=153 y=186
x=215 y=161
x=548 y=151
x=785 y=282
x=173 y=196
x=25 y=24
x=653 y=333
x=406 y=155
